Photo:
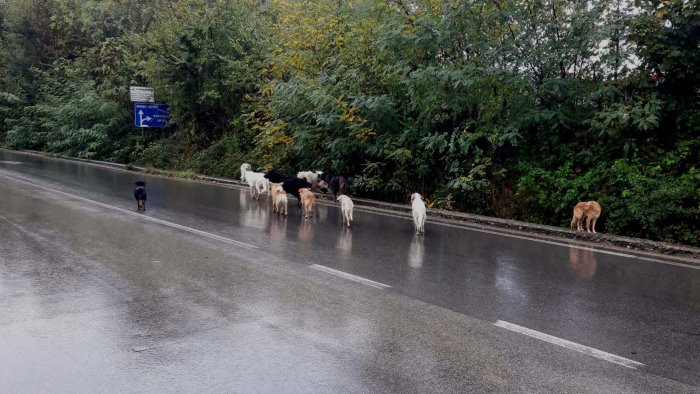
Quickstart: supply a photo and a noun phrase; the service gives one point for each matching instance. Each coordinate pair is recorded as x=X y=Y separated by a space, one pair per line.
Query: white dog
x=280 y=197
x=257 y=183
x=311 y=176
x=245 y=167
x=419 y=212
x=346 y=207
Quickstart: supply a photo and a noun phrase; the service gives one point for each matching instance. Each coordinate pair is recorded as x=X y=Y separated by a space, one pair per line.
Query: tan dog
x=280 y=200
x=308 y=202
x=588 y=210
x=274 y=186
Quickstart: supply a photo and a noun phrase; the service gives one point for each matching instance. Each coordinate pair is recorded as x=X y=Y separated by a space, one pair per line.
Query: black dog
x=290 y=185
x=337 y=183
x=140 y=195
x=276 y=177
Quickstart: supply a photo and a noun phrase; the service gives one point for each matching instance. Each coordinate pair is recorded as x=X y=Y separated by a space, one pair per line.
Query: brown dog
x=588 y=210
x=274 y=186
x=280 y=200
x=308 y=202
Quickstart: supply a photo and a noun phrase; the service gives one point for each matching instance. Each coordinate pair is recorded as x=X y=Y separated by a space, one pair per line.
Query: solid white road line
x=625 y=362
x=564 y=244
x=474 y=228
x=345 y=275
x=139 y=215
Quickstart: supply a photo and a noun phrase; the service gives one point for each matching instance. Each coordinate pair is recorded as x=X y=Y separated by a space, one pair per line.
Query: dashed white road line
x=625 y=362
x=345 y=275
x=139 y=215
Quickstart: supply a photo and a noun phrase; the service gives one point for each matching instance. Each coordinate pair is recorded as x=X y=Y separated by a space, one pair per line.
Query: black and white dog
x=140 y=195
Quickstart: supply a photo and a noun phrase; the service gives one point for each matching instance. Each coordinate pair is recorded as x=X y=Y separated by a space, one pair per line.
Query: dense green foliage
x=511 y=108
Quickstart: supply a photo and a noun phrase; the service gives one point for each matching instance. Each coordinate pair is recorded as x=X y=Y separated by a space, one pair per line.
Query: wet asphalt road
x=94 y=298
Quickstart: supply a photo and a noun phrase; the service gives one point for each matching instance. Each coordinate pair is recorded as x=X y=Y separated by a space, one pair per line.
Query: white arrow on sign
x=142 y=119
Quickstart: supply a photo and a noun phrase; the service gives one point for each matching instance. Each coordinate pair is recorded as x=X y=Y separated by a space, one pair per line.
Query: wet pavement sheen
x=125 y=287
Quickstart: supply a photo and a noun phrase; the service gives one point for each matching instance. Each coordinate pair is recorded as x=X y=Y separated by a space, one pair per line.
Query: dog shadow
x=306 y=231
x=278 y=227
x=253 y=213
x=344 y=243
x=582 y=263
x=416 y=252
x=321 y=212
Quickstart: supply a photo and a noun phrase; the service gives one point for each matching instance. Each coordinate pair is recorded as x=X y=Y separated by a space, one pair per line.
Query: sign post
x=151 y=115
x=141 y=94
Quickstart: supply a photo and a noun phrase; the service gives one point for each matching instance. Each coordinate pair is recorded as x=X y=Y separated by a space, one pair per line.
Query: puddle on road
x=10 y=162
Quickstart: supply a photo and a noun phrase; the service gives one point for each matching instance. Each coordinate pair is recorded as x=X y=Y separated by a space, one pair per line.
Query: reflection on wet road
x=56 y=259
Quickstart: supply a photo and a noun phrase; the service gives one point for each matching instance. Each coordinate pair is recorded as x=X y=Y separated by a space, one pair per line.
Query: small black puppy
x=140 y=195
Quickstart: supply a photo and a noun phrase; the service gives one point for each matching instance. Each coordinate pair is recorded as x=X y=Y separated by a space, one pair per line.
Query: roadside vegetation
x=511 y=108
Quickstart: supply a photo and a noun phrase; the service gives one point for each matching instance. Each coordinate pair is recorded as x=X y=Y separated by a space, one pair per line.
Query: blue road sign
x=151 y=115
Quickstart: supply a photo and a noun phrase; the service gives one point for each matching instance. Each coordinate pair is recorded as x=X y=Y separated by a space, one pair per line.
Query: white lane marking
x=139 y=215
x=625 y=362
x=345 y=275
x=469 y=227
x=472 y=227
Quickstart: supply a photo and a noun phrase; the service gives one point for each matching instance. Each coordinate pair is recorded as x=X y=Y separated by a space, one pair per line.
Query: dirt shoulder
x=649 y=250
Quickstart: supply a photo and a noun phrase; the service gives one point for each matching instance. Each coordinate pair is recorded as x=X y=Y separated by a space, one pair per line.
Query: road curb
x=656 y=249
